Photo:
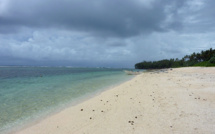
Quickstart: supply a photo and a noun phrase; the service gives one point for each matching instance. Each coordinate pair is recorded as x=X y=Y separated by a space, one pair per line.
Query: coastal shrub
x=212 y=60
x=201 y=64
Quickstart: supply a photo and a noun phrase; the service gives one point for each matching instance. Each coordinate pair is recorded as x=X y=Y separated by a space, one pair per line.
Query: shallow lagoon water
x=30 y=92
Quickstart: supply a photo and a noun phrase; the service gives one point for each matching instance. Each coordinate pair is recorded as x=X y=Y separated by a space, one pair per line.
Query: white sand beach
x=177 y=101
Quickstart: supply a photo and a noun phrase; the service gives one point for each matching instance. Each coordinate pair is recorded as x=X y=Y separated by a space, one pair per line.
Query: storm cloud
x=101 y=17
x=116 y=33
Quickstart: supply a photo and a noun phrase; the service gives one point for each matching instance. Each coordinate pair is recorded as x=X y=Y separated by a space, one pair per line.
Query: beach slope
x=160 y=102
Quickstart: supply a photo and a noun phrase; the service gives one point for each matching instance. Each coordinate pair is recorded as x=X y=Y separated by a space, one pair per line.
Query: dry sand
x=178 y=101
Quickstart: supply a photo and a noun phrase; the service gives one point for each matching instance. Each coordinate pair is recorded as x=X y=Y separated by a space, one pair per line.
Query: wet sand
x=177 y=101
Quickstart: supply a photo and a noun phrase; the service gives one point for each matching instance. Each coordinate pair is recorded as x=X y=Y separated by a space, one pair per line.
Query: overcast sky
x=103 y=33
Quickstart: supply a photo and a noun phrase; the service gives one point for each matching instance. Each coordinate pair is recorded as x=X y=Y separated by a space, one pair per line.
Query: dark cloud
x=102 y=17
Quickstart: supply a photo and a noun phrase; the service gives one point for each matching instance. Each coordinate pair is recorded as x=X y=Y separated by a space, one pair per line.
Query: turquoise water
x=30 y=92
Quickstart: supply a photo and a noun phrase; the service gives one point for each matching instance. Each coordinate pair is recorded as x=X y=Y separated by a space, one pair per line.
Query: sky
x=103 y=33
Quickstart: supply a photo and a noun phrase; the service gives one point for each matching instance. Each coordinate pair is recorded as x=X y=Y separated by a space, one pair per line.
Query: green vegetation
x=205 y=58
x=212 y=60
x=204 y=64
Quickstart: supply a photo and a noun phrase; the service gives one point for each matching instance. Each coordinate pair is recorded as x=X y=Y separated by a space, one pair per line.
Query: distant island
x=205 y=58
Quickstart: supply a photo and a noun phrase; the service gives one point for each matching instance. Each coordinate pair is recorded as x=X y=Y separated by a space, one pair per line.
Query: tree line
x=204 y=58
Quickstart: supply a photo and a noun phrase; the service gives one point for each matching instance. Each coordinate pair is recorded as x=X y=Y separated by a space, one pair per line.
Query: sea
x=29 y=93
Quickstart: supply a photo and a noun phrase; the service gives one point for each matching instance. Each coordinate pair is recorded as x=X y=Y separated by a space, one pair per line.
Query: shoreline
x=177 y=101
x=55 y=110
